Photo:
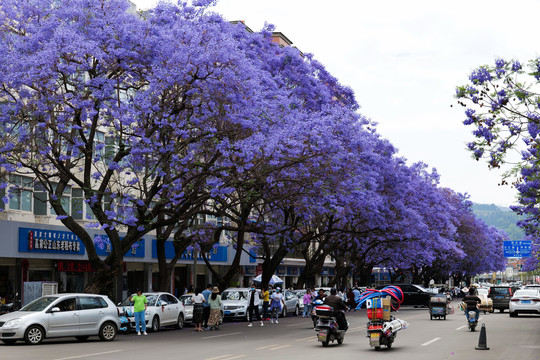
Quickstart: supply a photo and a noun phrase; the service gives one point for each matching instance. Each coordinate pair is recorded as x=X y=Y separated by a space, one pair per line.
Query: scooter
x=382 y=332
x=472 y=321
x=125 y=323
x=327 y=326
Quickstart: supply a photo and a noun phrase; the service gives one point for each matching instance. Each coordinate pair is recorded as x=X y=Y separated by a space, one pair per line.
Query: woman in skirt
x=215 y=309
x=198 y=299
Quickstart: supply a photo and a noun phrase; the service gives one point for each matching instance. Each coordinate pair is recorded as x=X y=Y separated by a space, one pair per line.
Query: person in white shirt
x=254 y=300
x=275 y=305
x=198 y=299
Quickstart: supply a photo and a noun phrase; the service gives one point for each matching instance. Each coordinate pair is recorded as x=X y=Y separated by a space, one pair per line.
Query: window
x=40 y=200
x=67 y=305
x=20 y=193
x=92 y=302
x=171 y=299
x=77 y=201
x=64 y=200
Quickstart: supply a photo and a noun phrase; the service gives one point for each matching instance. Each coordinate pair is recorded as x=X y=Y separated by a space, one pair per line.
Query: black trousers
x=206 y=315
x=341 y=320
x=250 y=313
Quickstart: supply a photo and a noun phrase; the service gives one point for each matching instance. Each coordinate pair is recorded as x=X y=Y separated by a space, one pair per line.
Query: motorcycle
x=314 y=316
x=384 y=332
x=327 y=326
x=472 y=320
x=125 y=323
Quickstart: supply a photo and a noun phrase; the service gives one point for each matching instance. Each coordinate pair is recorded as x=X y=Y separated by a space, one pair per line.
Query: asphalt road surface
x=294 y=338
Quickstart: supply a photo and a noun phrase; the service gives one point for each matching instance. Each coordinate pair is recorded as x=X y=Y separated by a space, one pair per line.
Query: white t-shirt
x=277 y=298
x=197 y=299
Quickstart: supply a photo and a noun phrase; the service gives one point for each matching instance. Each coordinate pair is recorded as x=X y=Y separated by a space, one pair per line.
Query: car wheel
x=297 y=310
x=180 y=321
x=501 y=310
x=9 y=342
x=513 y=314
x=107 y=331
x=82 y=338
x=34 y=335
x=155 y=324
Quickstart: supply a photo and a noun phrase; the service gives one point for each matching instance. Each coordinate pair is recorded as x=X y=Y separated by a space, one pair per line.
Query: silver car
x=163 y=309
x=61 y=315
x=292 y=303
x=235 y=303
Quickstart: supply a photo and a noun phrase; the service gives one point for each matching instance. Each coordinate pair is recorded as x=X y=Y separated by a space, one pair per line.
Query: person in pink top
x=308 y=299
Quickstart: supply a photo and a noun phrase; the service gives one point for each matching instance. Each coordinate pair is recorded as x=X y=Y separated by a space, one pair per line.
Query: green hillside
x=501 y=218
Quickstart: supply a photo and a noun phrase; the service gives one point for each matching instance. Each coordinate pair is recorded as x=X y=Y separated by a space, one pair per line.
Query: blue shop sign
x=104 y=248
x=50 y=242
x=252 y=255
x=217 y=254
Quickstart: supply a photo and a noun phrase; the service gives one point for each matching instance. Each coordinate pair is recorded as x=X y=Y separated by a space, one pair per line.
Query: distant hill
x=501 y=218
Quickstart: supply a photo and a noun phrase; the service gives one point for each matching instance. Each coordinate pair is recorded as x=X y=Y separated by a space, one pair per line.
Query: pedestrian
x=275 y=305
x=307 y=299
x=140 y=304
x=254 y=300
x=266 y=303
x=214 y=302
x=197 y=299
x=351 y=301
x=206 y=306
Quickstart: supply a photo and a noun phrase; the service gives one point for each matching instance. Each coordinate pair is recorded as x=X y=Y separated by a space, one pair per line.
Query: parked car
x=501 y=296
x=487 y=302
x=235 y=303
x=292 y=305
x=525 y=301
x=300 y=295
x=415 y=295
x=188 y=308
x=163 y=309
x=61 y=315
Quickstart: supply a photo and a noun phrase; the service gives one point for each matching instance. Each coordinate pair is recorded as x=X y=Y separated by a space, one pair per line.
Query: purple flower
x=480 y=76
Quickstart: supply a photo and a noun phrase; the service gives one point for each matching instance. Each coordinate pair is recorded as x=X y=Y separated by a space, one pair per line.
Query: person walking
x=214 y=302
x=206 y=306
x=307 y=299
x=140 y=304
x=197 y=299
x=254 y=300
x=266 y=303
x=275 y=305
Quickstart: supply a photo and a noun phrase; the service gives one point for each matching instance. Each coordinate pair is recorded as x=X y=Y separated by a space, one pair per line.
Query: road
x=294 y=338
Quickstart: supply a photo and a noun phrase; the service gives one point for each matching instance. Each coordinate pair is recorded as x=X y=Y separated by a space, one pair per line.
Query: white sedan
x=163 y=309
x=525 y=301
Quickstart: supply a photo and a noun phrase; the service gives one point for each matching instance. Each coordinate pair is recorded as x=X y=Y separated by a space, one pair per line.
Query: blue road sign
x=520 y=248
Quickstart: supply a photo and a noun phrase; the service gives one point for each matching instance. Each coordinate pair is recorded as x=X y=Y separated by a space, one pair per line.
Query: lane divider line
x=267 y=346
x=219 y=357
x=222 y=335
x=87 y=355
x=431 y=341
x=280 y=347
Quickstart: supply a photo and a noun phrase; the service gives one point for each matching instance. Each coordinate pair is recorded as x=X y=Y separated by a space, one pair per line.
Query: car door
x=163 y=310
x=63 y=318
x=174 y=307
x=290 y=300
x=92 y=312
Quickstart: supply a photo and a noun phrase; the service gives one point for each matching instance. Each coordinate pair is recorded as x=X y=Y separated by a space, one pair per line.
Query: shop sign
x=292 y=271
x=281 y=271
x=49 y=241
x=249 y=270
x=104 y=247
x=74 y=266
x=217 y=254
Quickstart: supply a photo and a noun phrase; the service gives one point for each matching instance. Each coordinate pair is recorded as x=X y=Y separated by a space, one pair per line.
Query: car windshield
x=500 y=290
x=39 y=304
x=526 y=293
x=186 y=300
x=234 y=295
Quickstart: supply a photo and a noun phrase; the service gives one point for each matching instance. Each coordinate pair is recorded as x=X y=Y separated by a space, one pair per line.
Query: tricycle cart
x=437 y=307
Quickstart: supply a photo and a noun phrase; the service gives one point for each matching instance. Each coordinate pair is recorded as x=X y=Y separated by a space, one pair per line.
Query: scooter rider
x=472 y=302
x=337 y=304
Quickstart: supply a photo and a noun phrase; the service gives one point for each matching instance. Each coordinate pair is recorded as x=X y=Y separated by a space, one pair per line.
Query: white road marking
x=219 y=357
x=280 y=347
x=267 y=346
x=222 y=335
x=430 y=342
x=236 y=357
x=304 y=339
x=87 y=355
x=461 y=327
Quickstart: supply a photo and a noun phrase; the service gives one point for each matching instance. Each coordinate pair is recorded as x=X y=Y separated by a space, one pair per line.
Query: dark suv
x=501 y=296
x=414 y=295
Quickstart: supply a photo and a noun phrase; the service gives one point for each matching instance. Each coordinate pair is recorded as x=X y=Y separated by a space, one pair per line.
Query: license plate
x=525 y=301
x=375 y=335
x=499 y=297
x=227 y=312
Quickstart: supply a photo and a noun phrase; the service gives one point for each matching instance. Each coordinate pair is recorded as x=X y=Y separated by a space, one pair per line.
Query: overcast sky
x=403 y=59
